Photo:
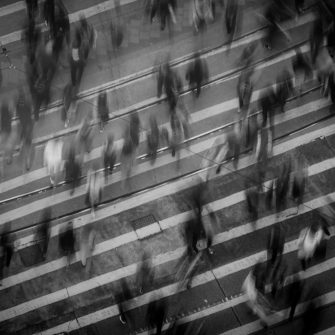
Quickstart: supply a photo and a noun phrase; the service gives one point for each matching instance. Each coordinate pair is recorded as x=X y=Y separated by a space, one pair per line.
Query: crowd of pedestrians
x=253 y=130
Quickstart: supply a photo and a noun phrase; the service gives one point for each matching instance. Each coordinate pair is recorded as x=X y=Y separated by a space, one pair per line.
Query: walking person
x=6 y=249
x=294 y=294
x=102 y=110
x=72 y=167
x=128 y=156
x=87 y=245
x=77 y=61
x=93 y=189
x=284 y=89
x=156 y=313
x=69 y=104
x=309 y=240
x=6 y=135
x=153 y=139
x=197 y=74
x=53 y=159
x=67 y=241
x=43 y=232
x=109 y=156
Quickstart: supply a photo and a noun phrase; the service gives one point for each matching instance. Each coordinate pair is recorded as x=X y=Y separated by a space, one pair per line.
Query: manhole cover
x=146 y=226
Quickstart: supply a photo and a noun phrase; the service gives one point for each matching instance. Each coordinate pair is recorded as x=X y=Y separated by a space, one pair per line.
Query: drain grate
x=146 y=226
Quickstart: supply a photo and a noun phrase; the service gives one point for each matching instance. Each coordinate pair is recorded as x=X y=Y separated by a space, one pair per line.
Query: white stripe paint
x=73 y=17
x=170 y=256
x=310 y=272
x=329 y=331
x=233 y=103
x=172 y=289
x=197 y=148
x=249 y=328
x=184 y=60
x=178 y=219
x=23 y=242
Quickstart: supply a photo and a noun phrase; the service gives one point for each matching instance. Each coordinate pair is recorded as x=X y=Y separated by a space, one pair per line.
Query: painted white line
x=31 y=176
x=329 y=331
x=73 y=17
x=183 y=61
x=197 y=148
x=249 y=328
x=311 y=272
x=166 y=257
x=178 y=219
x=172 y=289
x=246 y=161
x=12 y=8
x=195 y=117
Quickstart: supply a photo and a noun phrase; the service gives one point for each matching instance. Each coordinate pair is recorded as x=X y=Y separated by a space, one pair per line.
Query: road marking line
x=12 y=8
x=61 y=197
x=152 y=194
x=195 y=117
x=311 y=272
x=170 y=256
x=172 y=289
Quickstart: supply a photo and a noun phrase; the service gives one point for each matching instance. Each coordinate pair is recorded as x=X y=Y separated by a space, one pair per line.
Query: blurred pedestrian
x=312 y=317
x=117 y=27
x=134 y=129
x=128 y=156
x=309 y=240
x=316 y=37
x=32 y=8
x=244 y=92
x=87 y=34
x=87 y=245
x=167 y=14
x=156 y=313
x=197 y=74
x=234 y=143
x=43 y=232
x=77 y=60
x=299 y=181
x=6 y=135
x=72 y=167
x=294 y=293
x=102 y=108
x=69 y=104
x=169 y=81
x=94 y=188
x=61 y=28
x=177 y=136
x=84 y=137
x=67 y=241
x=299 y=6
x=283 y=184
x=6 y=249
x=324 y=66
x=254 y=288
x=284 y=89
x=153 y=139
x=109 y=156
x=53 y=159
x=302 y=69
x=123 y=296
x=276 y=243
x=252 y=194
x=202 y=14
x=145 y=273
x=231 y=18
x=49 y=15
x=267 y=106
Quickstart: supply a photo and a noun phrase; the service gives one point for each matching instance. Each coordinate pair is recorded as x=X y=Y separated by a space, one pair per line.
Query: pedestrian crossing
x=60 y=296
